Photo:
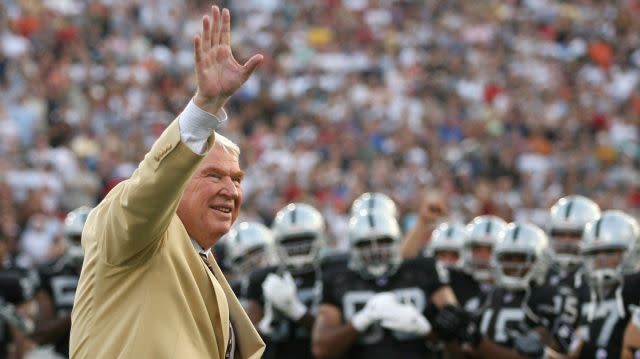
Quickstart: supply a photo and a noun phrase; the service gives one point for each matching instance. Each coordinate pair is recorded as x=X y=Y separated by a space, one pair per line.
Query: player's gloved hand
x=454 y=323
x=529 y=345
x=282 y=292
x=373 y=310
x=405 y=318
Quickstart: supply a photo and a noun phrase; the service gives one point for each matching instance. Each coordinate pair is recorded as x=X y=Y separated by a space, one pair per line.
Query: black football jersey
x=287 y=339
x=506 y=313
x=567 y=305
x=414 y=282
x=603 y=320
x=467 y=290
x=60 y=280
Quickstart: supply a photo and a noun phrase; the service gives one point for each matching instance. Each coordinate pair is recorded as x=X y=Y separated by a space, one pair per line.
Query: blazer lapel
x=223 y=306
x=247 y=338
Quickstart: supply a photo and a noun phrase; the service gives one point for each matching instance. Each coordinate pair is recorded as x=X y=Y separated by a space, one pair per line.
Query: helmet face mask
x=483 y=232
x=447 y=244
x=566 y=246
x=521 y=256
x=300 y=250
x=376 y=254
x=374 y=237
x=480 y=260
x=249 y=246
x=298 y=231
x=608 y=248
x=567 y=219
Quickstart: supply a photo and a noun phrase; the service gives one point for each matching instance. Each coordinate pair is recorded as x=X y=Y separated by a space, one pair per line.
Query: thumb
x=252 y=64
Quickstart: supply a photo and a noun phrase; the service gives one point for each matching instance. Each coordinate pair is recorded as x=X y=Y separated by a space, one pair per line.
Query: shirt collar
x=199 y=248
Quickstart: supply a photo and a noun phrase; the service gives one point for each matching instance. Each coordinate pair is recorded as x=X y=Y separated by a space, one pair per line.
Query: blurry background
x=503 y=105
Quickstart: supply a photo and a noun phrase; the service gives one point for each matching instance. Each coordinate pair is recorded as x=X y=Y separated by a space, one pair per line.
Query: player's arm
x=631 y=339
x=139 y=210
x=432 y=208
x=49 y=328
x=331 y=336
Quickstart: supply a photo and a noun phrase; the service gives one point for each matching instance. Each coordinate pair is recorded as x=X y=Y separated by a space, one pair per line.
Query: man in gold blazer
x=150 y=287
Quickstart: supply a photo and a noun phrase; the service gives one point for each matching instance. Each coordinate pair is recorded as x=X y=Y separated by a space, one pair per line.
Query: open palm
x=218 y=74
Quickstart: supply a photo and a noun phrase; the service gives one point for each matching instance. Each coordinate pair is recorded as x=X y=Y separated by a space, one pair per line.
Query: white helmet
x=374 y=201
x=521 y=239
x=298 y=232
x=482 y=231
x=73 y=226
x=613 y=231
x=450 y=237
x=568 y=216
x=374 y=237
x=249 y=246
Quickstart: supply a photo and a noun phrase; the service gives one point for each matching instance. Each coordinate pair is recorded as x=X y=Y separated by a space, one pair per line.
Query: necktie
x=232 y=341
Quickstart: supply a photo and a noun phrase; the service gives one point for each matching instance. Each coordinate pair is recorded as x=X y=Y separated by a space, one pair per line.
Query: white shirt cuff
x=196 y=126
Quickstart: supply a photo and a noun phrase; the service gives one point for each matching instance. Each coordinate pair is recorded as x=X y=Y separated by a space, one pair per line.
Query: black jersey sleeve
x=539 y=307
x=256 y=278
x=433 y=275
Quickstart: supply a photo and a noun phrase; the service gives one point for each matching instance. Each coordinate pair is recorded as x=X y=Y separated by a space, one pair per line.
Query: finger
x=225 y=33
x=251 y=65
x=215 y=27
x=206 y=33
x=197 y=48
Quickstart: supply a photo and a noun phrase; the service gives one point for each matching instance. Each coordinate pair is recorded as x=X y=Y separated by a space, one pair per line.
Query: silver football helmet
x=448 y=237
x=568 y=216
x=298 y=233
x=374 y=201
x=249 y=246
x=73 y=226
x=374 y=238
x=521 y=256
x=482 y=231
x=609 y=247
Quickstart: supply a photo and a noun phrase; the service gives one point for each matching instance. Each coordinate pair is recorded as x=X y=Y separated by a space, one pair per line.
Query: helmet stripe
x=488 y=230
x=569 y=207
x=516 y=232
x=293 y=216
x=598 y=224
x=371 y=221
x=449 y=233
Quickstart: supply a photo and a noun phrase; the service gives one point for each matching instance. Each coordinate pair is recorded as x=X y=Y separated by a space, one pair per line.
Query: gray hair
x=227 y=145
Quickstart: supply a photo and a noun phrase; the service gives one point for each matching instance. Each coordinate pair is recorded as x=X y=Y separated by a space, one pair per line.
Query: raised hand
x=218 y=73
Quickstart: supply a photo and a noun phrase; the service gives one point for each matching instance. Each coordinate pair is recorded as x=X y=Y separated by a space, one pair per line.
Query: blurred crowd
x=505 y=106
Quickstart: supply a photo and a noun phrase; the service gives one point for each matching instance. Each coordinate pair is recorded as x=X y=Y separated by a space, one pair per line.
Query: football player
x=567 y=219
x=248 y=247
x=17 y=311
x=517 y=307
x=609 y=253
x=281 y=298
x=58 y=280
x=446 y=247
x=375 y=306
x=482 y=234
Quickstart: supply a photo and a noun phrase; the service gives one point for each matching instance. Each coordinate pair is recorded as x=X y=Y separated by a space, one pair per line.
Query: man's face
x=448 y=258
x=212 y=199
x=566 y=242
x=607 y=259
x=515 y=264
x=481 y=256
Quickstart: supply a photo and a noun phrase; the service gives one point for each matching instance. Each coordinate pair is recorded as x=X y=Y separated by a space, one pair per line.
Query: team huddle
x=487 y=289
